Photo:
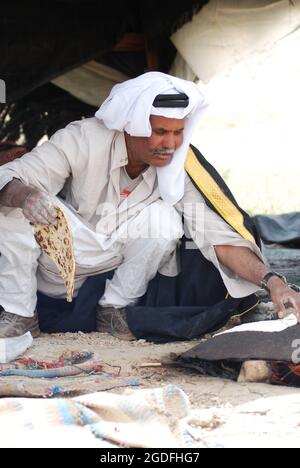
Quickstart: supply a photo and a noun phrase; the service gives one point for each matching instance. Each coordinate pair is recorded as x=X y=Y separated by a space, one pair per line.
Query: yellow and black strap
x=215 y=195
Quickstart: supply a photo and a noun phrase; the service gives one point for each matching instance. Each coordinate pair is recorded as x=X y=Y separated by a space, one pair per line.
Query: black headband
x=171 y=100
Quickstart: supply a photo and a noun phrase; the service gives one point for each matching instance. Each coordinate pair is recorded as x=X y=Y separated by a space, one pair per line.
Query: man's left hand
x=284 y=297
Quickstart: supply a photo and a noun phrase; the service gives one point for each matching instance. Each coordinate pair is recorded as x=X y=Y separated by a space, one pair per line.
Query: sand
x=232 y=414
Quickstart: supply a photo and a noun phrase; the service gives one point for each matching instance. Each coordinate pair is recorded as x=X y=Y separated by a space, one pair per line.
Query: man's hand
x=37 y=205
x=284 y=297
x=247 y=265
x=38 y=208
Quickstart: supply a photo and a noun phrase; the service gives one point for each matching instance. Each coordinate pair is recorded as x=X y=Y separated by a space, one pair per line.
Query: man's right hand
x=38 y=208
x=37 y=205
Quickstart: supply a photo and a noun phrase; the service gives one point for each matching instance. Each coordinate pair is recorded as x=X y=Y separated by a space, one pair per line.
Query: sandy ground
x=232 y=415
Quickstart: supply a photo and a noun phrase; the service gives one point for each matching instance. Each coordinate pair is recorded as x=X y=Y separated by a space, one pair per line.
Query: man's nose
x=169 y=141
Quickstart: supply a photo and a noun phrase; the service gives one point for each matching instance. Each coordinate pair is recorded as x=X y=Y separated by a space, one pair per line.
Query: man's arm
x=48 y=166
x=247 y=265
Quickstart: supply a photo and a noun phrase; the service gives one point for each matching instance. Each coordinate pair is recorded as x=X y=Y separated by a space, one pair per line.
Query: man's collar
x=119 y=152
x=149 y=176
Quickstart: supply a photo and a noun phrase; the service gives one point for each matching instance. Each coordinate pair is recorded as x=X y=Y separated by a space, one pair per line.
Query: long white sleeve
x=48 y=166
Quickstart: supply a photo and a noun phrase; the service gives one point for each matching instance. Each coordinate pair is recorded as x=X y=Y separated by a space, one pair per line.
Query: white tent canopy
x=227 y=32
x=91 y=83
x=248 y=52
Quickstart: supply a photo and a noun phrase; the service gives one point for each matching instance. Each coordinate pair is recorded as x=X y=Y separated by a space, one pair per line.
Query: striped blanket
x=139 y=418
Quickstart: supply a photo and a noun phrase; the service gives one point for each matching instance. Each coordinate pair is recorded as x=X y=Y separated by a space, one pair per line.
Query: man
x=124 y=189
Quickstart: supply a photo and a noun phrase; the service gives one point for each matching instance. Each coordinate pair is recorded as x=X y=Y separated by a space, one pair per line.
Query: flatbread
x=57 y=242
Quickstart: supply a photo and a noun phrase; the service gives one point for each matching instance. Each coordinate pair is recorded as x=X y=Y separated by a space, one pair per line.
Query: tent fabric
x=181 y=69
x=91 y=83
x=160 y=18
x=41 y=41
x=226 y=32
x=279 y=229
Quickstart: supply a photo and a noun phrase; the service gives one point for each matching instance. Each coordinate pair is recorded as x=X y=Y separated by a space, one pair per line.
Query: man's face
x=157 y=150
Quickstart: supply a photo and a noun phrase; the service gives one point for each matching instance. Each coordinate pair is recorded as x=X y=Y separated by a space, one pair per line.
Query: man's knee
x=157 y=221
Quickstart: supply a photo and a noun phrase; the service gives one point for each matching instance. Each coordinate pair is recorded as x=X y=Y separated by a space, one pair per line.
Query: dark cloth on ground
x=247 y=345
x=280 y=229
x=222 y=356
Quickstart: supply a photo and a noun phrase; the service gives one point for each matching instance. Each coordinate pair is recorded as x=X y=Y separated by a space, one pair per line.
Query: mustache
x=164 y=151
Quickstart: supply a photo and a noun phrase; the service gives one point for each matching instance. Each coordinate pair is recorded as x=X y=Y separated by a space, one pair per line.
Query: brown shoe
x=12 y=325
x=114 y=322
